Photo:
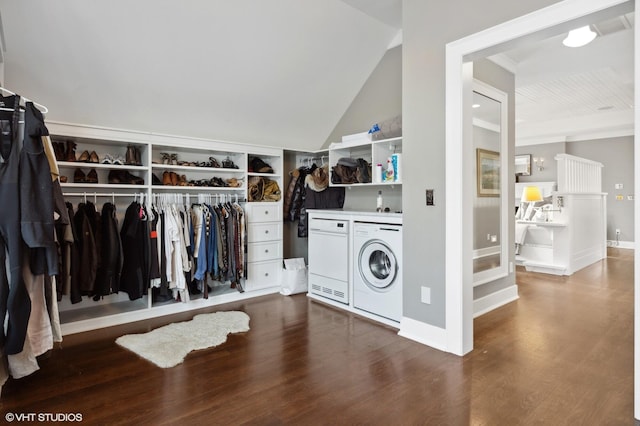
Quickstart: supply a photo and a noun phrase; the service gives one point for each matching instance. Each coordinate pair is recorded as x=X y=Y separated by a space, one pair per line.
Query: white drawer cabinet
x=264 y=212
x=260 y=232
x=264 y=274
x=264 y=245
x=259 y=252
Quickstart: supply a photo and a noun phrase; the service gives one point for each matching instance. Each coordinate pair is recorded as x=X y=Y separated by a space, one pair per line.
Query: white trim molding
x=458 y=251
x=621 y=244
x=495 y=300
x=426 y=334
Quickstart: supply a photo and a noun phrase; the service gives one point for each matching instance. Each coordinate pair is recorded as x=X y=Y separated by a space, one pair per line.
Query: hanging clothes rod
x=41 y=107
x=200 y=196
x=99 y=194
x=308 y=160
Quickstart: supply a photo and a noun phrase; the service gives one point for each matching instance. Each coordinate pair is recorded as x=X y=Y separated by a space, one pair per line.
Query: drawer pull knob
x=266 y=232
x=266 y=274
x=266 y=250
x=266 y=212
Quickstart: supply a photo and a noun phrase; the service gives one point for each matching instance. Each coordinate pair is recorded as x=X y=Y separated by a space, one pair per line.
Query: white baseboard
x=622 y=244
x=426 y=334
x=487 y=251
x=494 y=300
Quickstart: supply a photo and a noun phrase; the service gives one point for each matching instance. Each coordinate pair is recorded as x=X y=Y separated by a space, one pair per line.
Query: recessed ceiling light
x=475 y=106
x=579 y=37
x=604 y=108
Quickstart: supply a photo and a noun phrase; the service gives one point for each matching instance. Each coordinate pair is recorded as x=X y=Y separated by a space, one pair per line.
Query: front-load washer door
x=377 y=265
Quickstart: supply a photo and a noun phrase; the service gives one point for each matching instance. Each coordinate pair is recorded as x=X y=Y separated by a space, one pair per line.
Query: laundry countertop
x=358 y=215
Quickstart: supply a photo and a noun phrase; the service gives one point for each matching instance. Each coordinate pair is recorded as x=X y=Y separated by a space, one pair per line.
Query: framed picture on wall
x=523 y=165
x=488 y=173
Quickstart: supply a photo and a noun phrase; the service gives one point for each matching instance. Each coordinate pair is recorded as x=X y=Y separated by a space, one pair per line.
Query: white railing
x=578 y=175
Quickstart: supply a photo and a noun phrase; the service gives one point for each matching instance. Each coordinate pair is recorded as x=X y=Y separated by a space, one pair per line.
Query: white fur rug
x=167 y=346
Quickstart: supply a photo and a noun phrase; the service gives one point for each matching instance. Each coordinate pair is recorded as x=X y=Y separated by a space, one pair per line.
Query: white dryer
x=377 y=269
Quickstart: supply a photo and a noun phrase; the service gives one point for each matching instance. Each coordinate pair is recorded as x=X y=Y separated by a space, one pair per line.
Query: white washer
x=377 y=269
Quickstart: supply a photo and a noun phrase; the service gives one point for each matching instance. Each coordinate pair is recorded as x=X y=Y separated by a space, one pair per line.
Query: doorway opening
x=539 y=25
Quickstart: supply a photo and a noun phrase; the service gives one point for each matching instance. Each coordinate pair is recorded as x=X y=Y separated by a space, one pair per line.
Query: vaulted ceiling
x=280 y=72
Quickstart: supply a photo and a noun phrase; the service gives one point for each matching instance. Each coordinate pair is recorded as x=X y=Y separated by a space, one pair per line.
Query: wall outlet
x=425 y=295
x=494 y=238
x=617 y=231
x=630 y=197
x=619 y=186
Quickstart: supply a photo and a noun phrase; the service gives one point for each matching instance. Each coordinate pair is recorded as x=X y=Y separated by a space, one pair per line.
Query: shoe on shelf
x=132 y=179
x=92 y=176
x=130 y=156
x=155 y=180
x=166 y=158
x=84 y=157
x=228 y=164
x=58 y=150
x=182 y=180
x=79 y=177
x=174 y=178
x=166 y=178
x=174 y=159
x=70 y=154
x=93 y=157
x=234 y=183
x=107 y=159
x=138 y=156
x=63 y=179
x=214 y=163
x=114 y=176
x=118 y=160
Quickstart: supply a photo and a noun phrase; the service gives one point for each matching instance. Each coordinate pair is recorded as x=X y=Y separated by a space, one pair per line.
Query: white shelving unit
x=374 y=152
x=264 y=268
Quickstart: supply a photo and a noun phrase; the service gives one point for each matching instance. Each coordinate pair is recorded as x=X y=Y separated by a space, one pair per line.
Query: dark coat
x=330 y=198
x=135 y=238
x=297 y=195
x=110 y=267
x=36 y=196
x=84 y=254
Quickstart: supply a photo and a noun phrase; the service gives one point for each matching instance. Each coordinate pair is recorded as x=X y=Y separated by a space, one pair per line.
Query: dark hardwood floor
x=560 y=355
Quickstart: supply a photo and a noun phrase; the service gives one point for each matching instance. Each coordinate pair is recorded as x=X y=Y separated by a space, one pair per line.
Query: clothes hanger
x=41 y=107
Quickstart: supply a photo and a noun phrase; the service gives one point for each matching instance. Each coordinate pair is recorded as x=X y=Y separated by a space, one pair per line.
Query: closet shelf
x=347 y=185
x=82 y=165
x=271 y=175
x=84 y=186
x=197 y=188
x=156 y=166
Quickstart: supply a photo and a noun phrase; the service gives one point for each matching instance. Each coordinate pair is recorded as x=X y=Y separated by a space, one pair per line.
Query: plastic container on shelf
x=396 y=160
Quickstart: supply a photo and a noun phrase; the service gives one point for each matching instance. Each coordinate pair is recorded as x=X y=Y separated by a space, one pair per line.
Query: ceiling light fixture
x=579 y=37
x=475 y=106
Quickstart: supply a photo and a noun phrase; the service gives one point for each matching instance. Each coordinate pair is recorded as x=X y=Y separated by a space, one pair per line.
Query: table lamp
x=530 y=195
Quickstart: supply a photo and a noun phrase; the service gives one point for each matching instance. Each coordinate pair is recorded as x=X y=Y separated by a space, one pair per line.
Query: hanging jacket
x=329 y=198
x=288 y=196
x=110 y=267
x=36 y=196
x=134 y=235
x=86 y=259
x=297 y=196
